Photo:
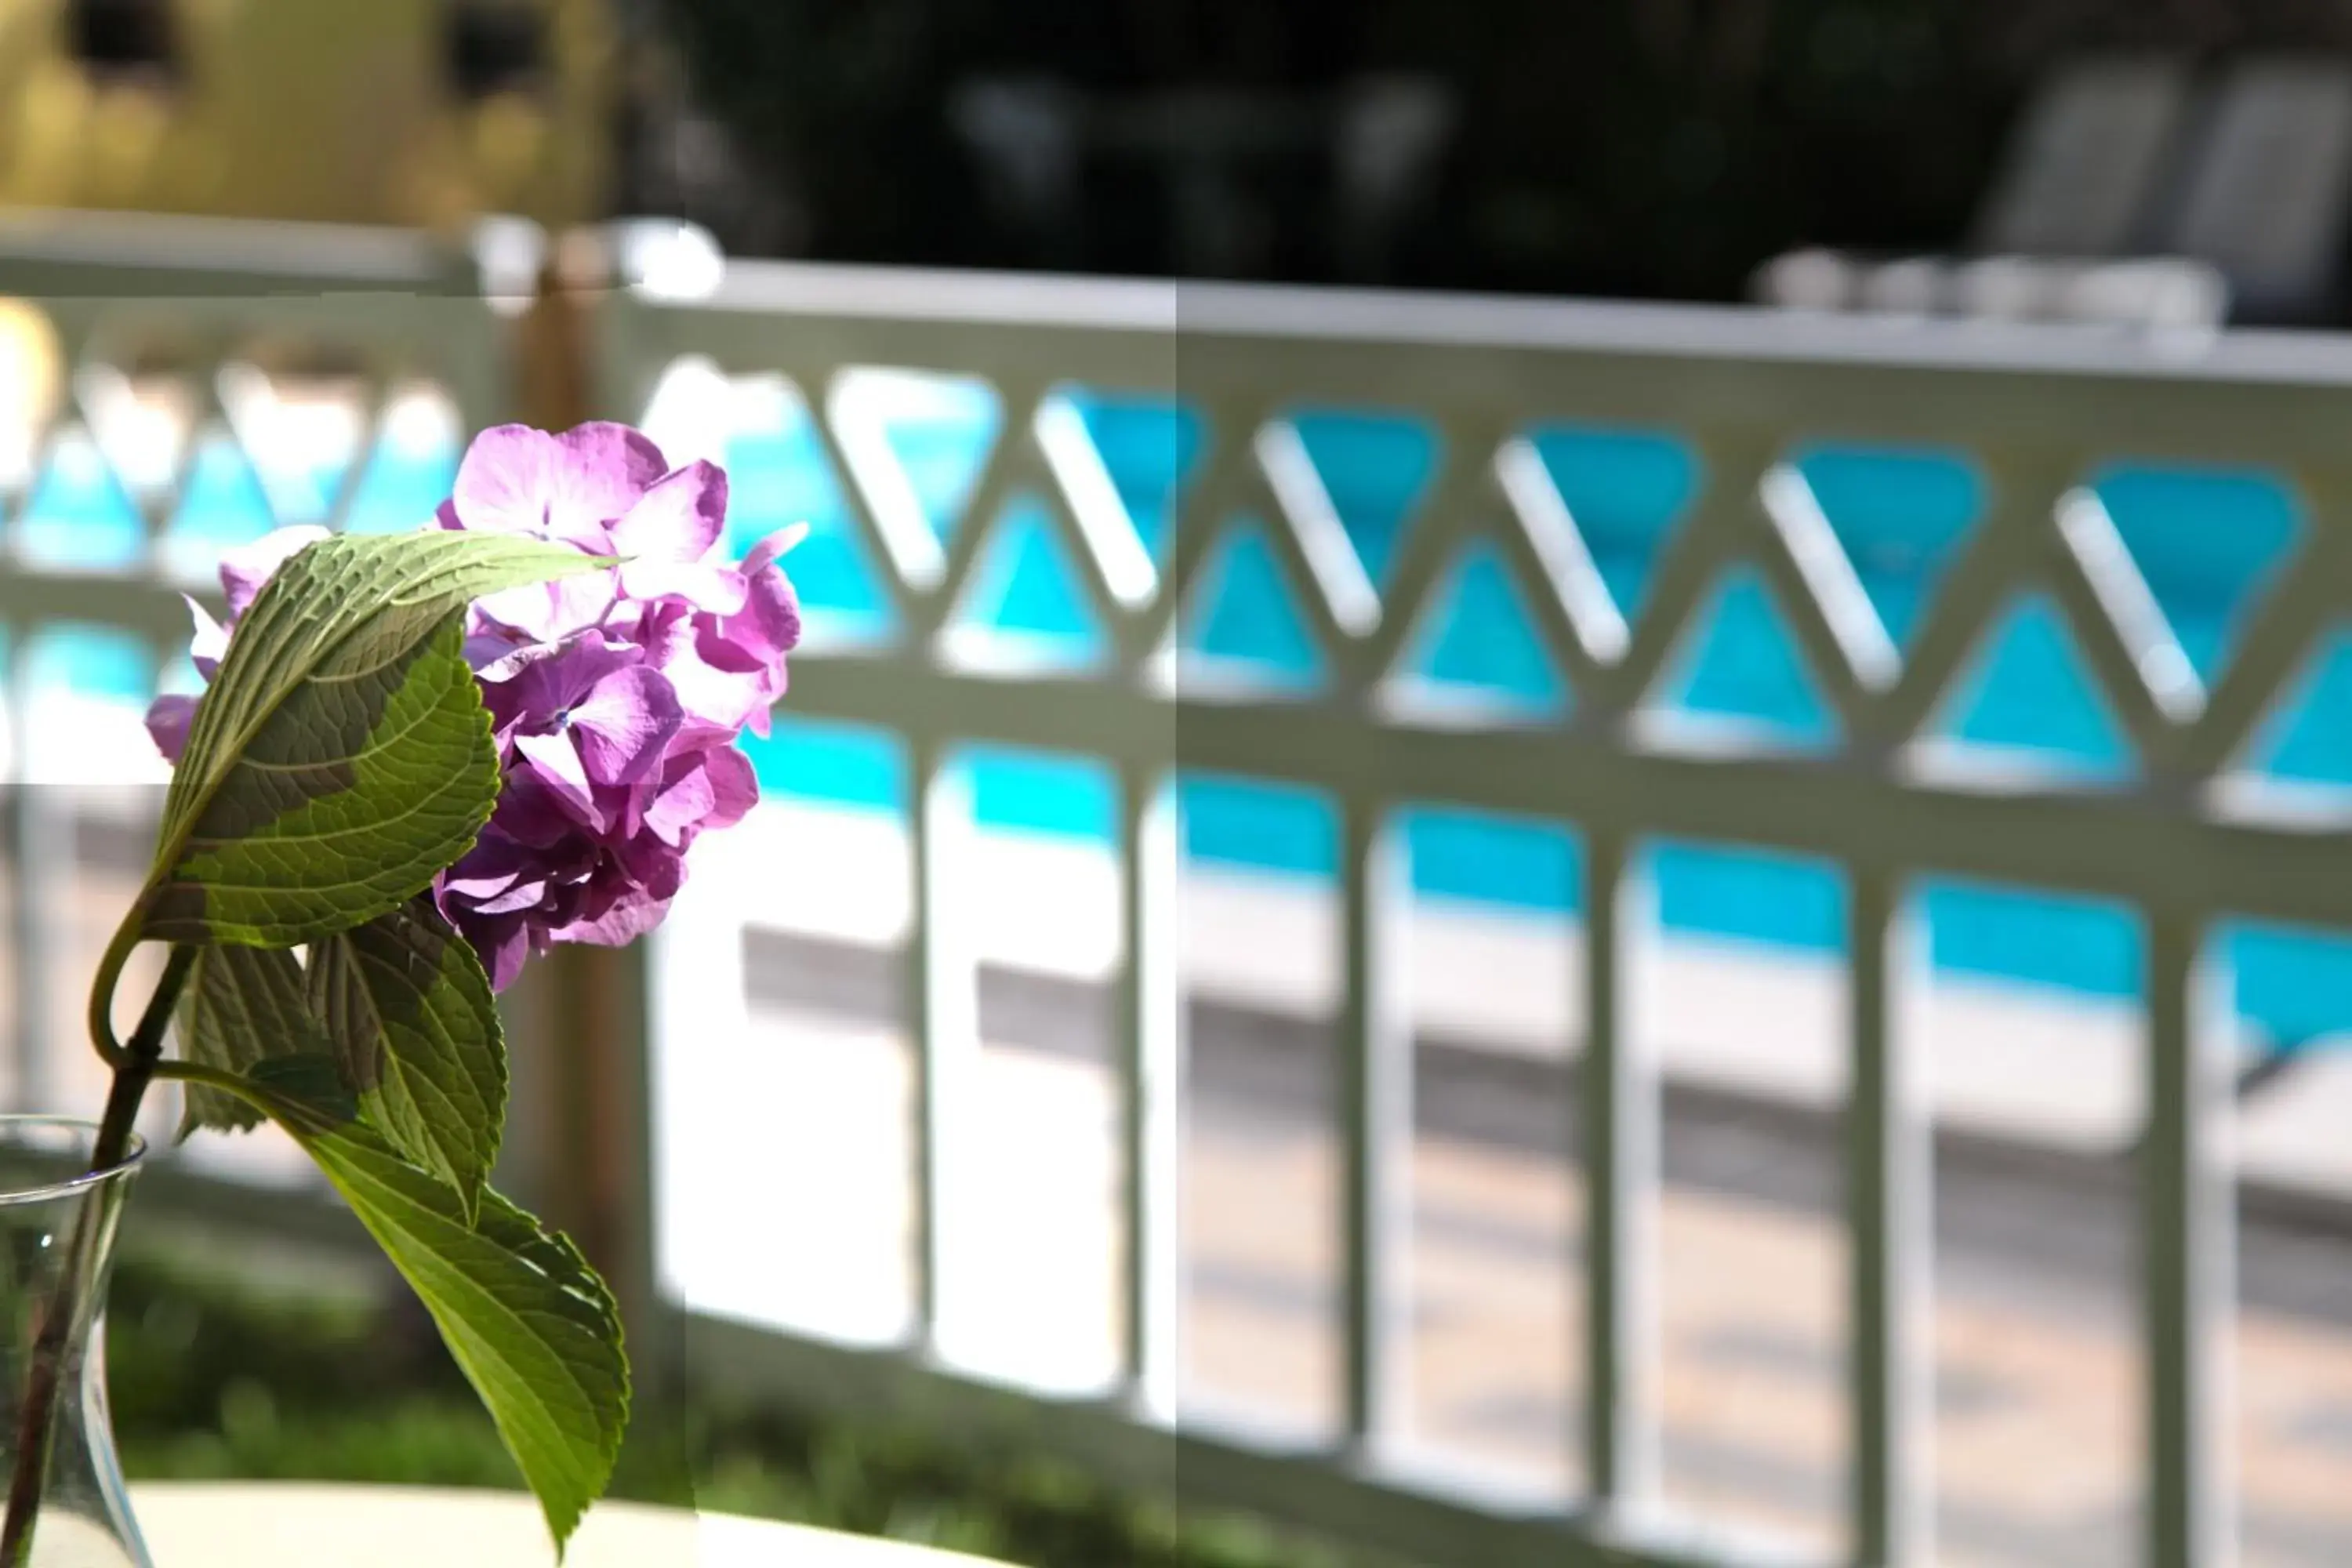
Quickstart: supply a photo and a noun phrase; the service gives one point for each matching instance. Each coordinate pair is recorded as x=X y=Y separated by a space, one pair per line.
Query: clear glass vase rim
x=135 y=1154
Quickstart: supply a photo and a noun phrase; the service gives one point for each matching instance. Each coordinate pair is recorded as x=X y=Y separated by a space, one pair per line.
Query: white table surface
x=297 y=1525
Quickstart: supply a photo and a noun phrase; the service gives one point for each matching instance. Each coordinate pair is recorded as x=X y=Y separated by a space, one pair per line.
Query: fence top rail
x=99 y=251
x=1050 y=302
x=110 y=249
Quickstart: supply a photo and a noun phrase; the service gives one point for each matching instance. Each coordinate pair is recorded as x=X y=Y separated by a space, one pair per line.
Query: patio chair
x=2265 y=188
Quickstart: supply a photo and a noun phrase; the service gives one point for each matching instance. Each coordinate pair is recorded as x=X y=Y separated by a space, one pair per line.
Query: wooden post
x=579 y=1026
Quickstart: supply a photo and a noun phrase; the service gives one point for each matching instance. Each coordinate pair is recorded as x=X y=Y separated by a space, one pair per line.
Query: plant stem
x=145 y=1050
x=37 y=1418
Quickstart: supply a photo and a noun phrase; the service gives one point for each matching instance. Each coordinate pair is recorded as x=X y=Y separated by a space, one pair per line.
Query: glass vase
x=56 y=1248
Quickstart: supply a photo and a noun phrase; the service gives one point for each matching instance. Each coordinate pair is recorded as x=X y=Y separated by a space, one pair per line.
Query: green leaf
x=408 y=1012
x=241 y=1005
x=341 y=757
x=532 y=1326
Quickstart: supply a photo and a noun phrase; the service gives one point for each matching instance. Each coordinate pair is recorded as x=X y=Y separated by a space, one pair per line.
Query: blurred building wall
x=421 y=113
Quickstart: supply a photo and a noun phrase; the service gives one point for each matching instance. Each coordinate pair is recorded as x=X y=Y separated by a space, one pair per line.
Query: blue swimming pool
x=2208 y=543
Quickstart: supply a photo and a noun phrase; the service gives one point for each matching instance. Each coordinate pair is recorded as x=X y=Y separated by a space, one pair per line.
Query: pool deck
x=2014 y=1064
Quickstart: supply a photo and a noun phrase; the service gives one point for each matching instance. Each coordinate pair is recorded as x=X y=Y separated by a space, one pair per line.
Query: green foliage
x=216 y=1377
x=1005 y=1502
x=411 y=1023
x=341 y=805
x=342 y=759
x=242 y=1005
x=535 y=1331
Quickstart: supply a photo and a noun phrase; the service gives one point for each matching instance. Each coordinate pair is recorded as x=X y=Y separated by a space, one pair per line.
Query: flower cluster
x=615 y=697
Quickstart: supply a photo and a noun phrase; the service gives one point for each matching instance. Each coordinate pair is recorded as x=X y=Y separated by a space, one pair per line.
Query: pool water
x=2208 y=543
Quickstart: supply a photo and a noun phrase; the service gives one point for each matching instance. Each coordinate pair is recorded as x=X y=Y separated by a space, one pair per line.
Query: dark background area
x=1640 y=148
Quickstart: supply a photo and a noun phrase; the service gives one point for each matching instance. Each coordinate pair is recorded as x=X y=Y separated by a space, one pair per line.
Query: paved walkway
x=2036 y=1424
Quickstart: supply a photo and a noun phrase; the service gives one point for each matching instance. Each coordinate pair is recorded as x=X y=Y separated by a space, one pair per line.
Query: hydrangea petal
x=774 y=547
x=516 y=479
x=546 y=612
x=623 y=723
x=505 y=478
x=677 y=519
x=479 y=887
x=608 y=466
x=168 y=718
x=721 y=699
x=510 y=900
x=685 y=799
x=708 y=586
x=502 y=944
x=209 y=644
x=735 y=786
x=617 y=927
x=246 y=568
x=769 y=623
x=495 y=862
x=555 y=763
x=489 y=649
x=531 y=814
x=538 y=684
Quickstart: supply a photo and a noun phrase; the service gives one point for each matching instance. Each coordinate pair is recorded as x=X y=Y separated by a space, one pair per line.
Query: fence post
x=1150 y=1024
x=1618 y=1088
x=1376 y=1128
x=2189 y=1250
x=1888 y=1171
x=580 y=1029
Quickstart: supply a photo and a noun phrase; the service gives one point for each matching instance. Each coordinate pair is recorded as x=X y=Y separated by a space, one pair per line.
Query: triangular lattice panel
x=78 y=516
x=1027 y=603
x=2207 y=545
x=916 y=444
x=1738 y=673
x=779 y=475
x=411 y=465
x=1374 y=467
x=221 y=505
x=1628 y=492
x=1475 y=651
x=2306 y=738
x=1150 y=448
x=2027 y=702
x=1900 y=517
x=1243 y=620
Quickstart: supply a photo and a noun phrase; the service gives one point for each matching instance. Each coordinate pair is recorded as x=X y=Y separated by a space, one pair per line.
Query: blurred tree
x=1666 y=147
x=1647 y=147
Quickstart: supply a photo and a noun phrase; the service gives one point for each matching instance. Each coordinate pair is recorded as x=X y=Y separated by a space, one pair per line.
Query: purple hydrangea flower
x=616 y=698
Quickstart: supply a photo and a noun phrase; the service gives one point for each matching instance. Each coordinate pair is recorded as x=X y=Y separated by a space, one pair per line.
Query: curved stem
x=144 y=1054
x=37 y=1418
x=102 y=994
